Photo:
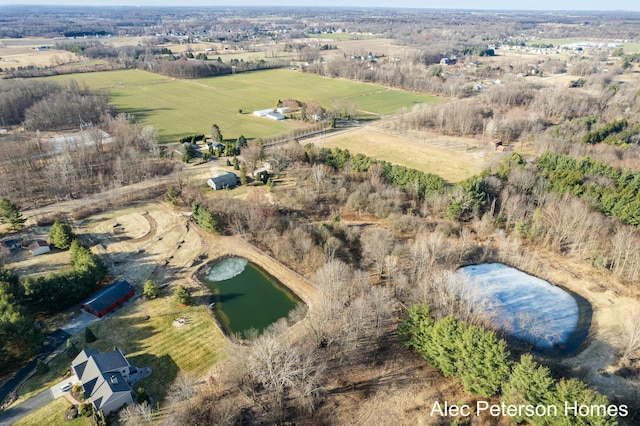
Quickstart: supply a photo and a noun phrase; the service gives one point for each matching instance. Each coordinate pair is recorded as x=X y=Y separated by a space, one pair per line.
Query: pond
x=246 y=297
x=550 y=319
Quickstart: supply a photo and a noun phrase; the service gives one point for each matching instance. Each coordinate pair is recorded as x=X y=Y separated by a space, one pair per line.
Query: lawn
x=450 y=165
x=181 y=107
x=51 y=414
x=156 y=343
x=38 y=383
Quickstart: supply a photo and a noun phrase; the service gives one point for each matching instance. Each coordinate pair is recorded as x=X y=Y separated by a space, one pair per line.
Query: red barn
x=108 y=299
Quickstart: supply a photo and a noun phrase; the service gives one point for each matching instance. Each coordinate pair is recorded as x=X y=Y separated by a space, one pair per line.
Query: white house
x=39 y=247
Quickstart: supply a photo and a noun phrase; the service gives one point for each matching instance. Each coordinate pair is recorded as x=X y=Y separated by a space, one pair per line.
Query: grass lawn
x=451 y=166
x=51 y=414
x=156 y=343
x=181 y=107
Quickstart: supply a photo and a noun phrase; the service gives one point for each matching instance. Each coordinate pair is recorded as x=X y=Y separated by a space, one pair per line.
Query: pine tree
x=42 y=367
x=243 y=174
x=89 y=337
x=440 y=352
x=529 y=384
x=10 y=213
x=182 y=296
x=483 y=361
x=61 y=235
x=150 y=289
x=415 y=330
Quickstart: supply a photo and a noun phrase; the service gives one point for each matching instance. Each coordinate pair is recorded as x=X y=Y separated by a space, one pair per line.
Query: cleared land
x=181 y=107
x=450 y=165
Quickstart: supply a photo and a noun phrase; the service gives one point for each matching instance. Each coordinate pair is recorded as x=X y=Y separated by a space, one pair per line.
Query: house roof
x=106 y=297
x=226 y=178
x=99 y=375
x=38 y=243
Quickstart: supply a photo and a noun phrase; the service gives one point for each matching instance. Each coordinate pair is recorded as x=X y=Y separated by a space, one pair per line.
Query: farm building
x=283 y=110
x=39 y=247
x=275 y=116
x=109 y=299
x=224 y=180
x=262 y=112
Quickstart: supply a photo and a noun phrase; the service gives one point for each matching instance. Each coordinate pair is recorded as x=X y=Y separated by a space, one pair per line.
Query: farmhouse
x=224 y=180
x=105 y=377
x=39 y=247
x=109 y=299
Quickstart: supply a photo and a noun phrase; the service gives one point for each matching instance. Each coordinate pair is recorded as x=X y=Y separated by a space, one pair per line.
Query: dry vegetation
x=356 y=246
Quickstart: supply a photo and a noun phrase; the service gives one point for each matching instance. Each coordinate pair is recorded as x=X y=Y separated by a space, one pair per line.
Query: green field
x=51 y=414
x=180 y=107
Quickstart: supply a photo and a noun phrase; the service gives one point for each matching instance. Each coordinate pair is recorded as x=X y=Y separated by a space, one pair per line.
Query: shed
x=109 y=299
x=39 y=247
x=224 y=180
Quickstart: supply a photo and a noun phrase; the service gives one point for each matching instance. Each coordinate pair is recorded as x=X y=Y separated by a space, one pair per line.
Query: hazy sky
x=633 y=5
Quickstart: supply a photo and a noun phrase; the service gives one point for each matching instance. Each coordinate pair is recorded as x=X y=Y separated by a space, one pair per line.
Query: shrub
x=150 y=289
x=182 y=296
x=89 y=337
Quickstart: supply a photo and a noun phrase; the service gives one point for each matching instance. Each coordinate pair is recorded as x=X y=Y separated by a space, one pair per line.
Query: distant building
x=262 y=112
x=39 y=247
x=275 y=116
x=109 y=299
x=283 y=110
x=12 y=244
x=106 y=378
x=224 y=180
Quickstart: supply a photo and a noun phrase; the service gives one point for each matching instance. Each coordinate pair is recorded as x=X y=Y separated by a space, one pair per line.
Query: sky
x=631 y=5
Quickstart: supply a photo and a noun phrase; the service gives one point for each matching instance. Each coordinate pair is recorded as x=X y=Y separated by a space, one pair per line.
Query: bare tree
x=251 y=154
x=630 y=338
x=377 y=244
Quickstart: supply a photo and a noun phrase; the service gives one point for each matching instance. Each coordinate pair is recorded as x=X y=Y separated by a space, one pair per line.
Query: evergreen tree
x=89 y=337
x=415 y=330
x=42 y=367
x=236 y=164
x=206 y=219
x=10 y=213
x=575 y=393
x=441 y=350
x=241 y=141
x=182 y=296
x=529 y=384
x=72 y=350
x=150 y=289
x=482 y=361
x=61 y=235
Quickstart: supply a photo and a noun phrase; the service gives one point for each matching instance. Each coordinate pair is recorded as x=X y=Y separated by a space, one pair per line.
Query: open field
x=180 y=107
x=450 y=165
x=344 y=36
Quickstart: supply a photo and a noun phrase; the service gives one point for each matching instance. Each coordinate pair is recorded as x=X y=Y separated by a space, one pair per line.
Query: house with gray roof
x=106 y=378
x=224 y=180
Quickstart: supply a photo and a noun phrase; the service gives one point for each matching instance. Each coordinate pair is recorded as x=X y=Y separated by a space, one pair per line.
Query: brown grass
x=450 y=165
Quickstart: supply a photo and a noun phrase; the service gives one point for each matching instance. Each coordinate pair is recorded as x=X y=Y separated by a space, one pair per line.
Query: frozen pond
x=528 y=308
x=246 y=297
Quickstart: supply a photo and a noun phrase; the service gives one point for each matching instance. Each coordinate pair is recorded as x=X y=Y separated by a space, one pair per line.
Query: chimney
x=114 y=380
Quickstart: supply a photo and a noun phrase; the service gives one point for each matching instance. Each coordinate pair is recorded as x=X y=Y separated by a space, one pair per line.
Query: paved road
x=12 y=415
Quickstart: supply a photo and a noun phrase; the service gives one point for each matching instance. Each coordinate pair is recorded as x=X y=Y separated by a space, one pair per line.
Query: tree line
x=480 y=361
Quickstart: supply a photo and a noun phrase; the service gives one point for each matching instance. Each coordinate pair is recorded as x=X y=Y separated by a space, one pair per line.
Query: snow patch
x=227 y=269
x=524 y=306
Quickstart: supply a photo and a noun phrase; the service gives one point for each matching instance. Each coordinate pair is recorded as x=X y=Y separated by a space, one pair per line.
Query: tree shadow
x=164 y=371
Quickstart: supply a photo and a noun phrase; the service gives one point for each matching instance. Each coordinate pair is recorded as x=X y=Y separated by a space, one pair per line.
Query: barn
x=39 y=247
x=225 y=180
x=109 y=299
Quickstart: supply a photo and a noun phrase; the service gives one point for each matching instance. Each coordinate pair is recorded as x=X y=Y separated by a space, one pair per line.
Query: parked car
x=66 y=387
